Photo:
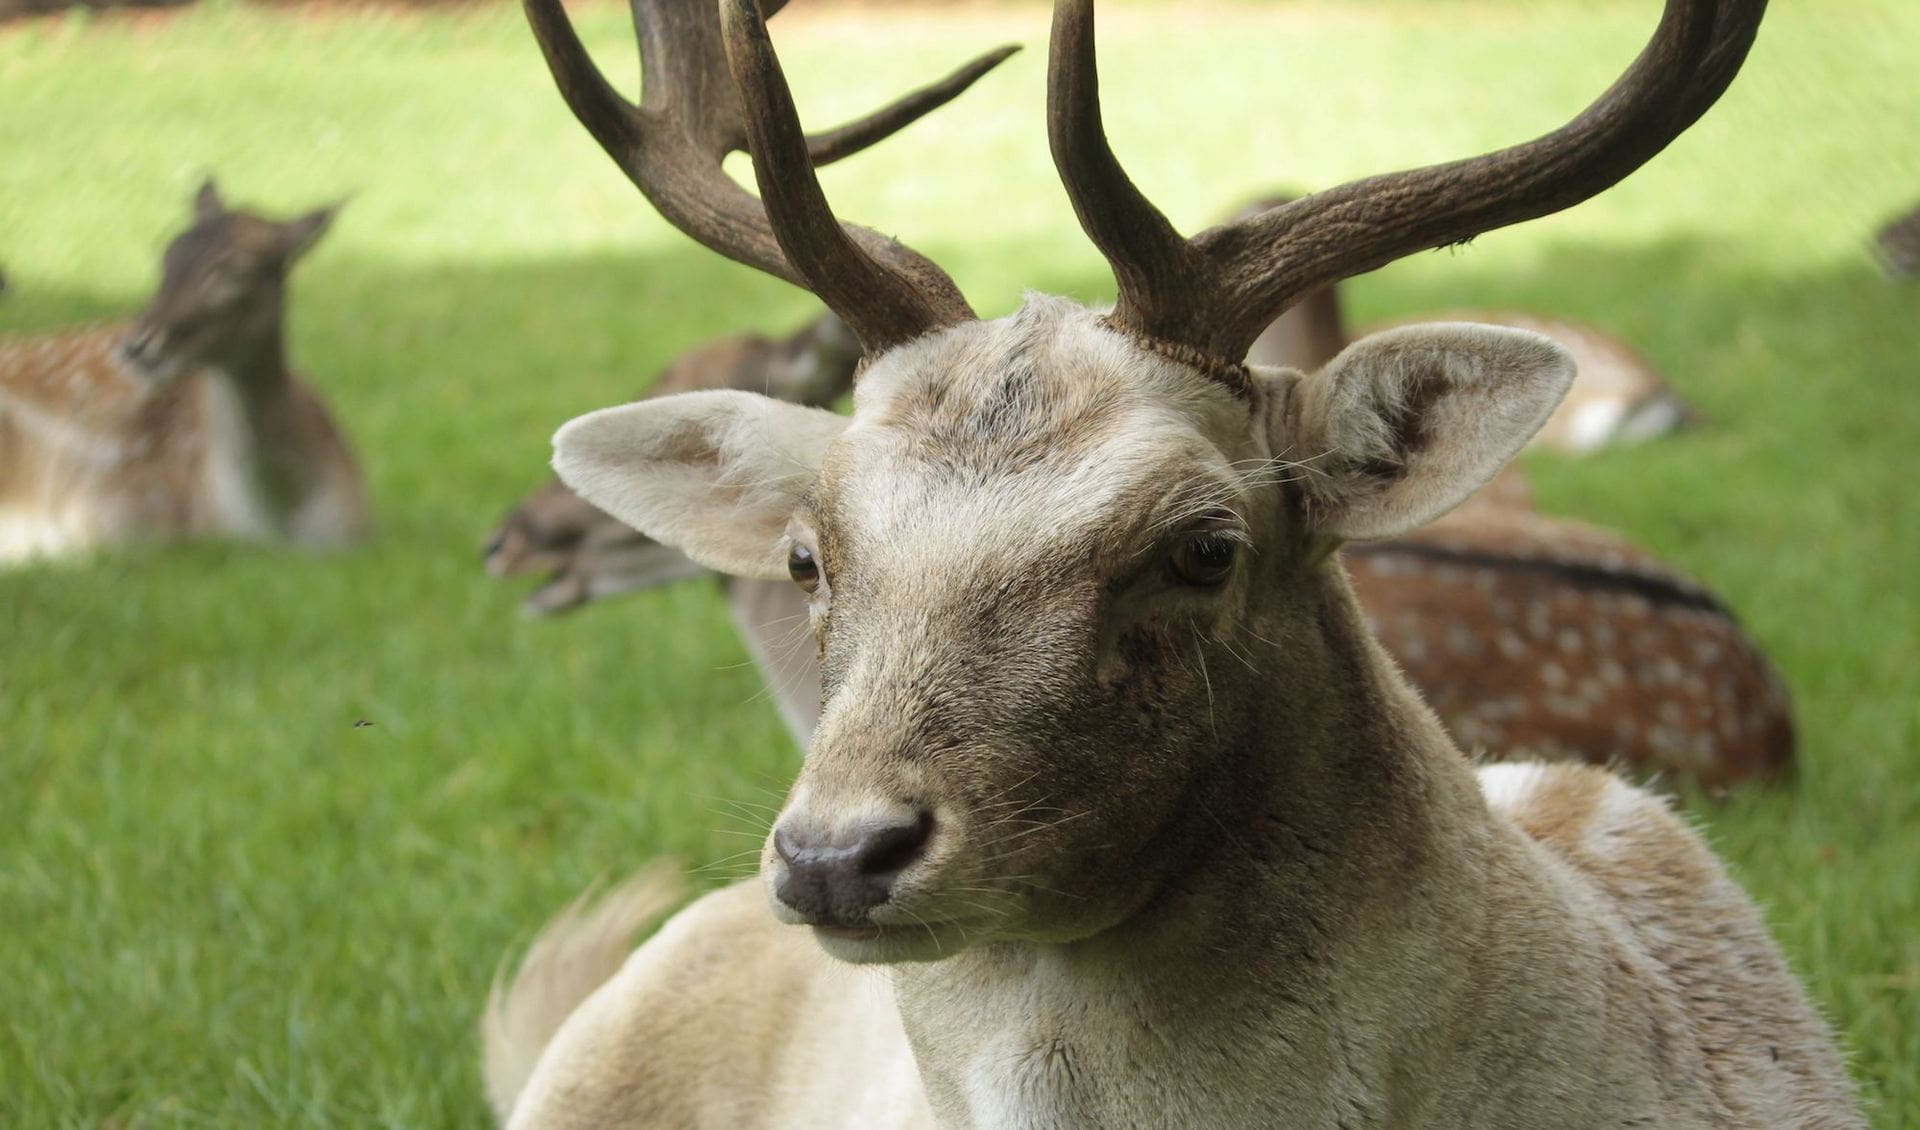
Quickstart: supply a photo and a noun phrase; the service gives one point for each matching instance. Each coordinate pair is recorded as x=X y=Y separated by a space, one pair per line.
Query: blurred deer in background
x=1109 y=771
x=187 y=423
x=1617 y=397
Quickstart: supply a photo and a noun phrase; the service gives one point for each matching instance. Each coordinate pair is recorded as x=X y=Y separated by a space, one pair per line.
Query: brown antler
x=689 y=118
x=1216 y=291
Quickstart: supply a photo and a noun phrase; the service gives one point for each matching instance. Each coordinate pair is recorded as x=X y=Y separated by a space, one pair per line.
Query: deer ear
x=1403 y=425
x=298 y=236
x=715 y=474
x=206 y=202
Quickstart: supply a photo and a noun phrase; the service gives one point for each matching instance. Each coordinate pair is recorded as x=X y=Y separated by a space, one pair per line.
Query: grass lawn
x=223 y=903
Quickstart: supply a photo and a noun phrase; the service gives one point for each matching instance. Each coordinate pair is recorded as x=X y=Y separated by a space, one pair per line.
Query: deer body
x=1110 y=774
x=186 y=424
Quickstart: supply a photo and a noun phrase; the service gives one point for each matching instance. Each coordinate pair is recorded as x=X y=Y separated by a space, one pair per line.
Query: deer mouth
x=886 y=944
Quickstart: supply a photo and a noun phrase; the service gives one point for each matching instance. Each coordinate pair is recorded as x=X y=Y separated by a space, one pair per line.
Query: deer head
x=1072 y=573
x=222 y=289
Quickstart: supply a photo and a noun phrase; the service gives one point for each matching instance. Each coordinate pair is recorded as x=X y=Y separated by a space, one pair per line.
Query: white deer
x=1138 y=822
x=187 y=423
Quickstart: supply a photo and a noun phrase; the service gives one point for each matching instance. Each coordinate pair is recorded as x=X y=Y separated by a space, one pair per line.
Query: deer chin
x=894 y=944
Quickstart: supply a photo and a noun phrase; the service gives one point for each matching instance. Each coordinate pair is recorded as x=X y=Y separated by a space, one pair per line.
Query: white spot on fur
x=1507 y=786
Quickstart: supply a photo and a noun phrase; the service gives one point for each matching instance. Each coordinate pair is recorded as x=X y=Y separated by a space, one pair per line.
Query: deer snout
x=836 y=876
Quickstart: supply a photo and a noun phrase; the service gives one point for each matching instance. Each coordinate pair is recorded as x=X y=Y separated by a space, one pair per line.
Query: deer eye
x=1203 y=560
x=803 y=567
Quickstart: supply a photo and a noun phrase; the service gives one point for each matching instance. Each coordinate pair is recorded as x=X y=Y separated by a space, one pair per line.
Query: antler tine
x=1234 y=279
x=884 y=291
x=673 y=143
x=844 y=141
x=1151 y=262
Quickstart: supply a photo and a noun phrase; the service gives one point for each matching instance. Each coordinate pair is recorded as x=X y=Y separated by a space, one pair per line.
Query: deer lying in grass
x=1618 y=397
x=1110 y=774
x=1530 y=636
x=187 y=423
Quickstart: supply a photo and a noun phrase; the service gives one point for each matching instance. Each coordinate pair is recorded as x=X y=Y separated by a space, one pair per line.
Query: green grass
x=222 y=903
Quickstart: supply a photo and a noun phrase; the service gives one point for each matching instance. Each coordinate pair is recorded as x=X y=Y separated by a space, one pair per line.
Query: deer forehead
x=231 y=237
x=1001 y=440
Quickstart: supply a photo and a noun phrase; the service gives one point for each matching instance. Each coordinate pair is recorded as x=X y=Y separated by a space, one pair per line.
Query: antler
x=690 y=117
x=1215 y=292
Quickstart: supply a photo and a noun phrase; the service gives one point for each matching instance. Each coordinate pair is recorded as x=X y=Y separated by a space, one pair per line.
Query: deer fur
x=1193 y=855
x=187 y=423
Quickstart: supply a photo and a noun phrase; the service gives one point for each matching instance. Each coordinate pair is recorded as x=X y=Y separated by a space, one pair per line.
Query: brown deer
x=1110 y=773
x=1618 y=396
x=187 y=423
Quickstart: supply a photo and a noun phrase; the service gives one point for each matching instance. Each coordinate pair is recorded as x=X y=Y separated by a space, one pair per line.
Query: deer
x=1531 y=636
x=1138 y=824
x=187 y=422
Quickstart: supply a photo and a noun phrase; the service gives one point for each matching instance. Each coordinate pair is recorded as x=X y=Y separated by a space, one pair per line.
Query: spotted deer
x=188 y=422
x=1142 y=826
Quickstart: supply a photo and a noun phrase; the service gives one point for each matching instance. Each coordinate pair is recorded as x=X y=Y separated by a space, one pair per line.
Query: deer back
x=1537 y=637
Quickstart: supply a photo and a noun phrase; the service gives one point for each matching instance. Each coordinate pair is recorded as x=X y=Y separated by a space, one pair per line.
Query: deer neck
x=1337 y=852
x=258 y=467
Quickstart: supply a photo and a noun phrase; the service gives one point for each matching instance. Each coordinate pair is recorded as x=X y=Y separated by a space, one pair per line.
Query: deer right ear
x=1403 y=425
x=206 y=202
x=714 y=474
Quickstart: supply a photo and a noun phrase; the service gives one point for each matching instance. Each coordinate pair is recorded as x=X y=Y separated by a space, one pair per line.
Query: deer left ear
x=1403 y=425
x=300 y=235
x=206 y=202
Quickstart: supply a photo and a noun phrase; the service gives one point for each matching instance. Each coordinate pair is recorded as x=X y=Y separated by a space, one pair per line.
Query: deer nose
x=836 y=878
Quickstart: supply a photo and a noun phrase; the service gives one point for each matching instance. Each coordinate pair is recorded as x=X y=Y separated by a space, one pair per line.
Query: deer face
x=222 y=289
x=1056 y=579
